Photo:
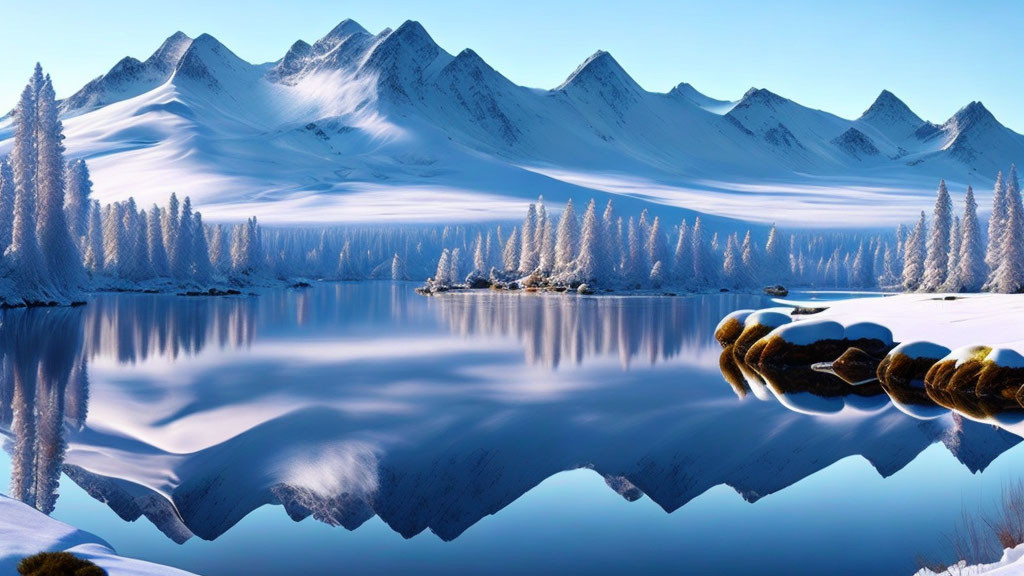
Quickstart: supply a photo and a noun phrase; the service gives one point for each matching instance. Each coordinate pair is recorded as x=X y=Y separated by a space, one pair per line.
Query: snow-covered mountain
x=358 y=126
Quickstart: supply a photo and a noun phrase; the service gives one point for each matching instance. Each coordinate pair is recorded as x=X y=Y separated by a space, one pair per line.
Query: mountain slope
x=359 y=126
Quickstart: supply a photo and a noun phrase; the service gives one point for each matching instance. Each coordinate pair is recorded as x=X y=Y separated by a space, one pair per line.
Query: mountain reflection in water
x=345 y=402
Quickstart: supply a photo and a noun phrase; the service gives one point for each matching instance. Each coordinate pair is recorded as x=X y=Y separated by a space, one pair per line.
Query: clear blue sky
x=936 y=55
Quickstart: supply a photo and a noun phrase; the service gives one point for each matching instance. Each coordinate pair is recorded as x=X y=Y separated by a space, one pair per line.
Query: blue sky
x=936 y=55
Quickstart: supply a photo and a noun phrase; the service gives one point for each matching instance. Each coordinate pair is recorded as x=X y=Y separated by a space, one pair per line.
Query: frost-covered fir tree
x=479 y=262
x=657 y=249
x=937 y=247
x=913 y=256
x=996 y=224
x=444 y=269
x=953 y=281
x=1008 y=276
x=398 y=271
x=972 y=269
x=202 y=269
x=588 y=262
x=566 y=239
x=181 y=265
x=113 y=239
x=23 y=258
x=751 y=270
x=610 y=237
x=732 y=265
x=63 y=261
x=528 y=254
x=682 y=260
x=77 y=203
x=220 y=259
x=546 y=257
x=155 y=247
x=632 y=266
x=510 y=252
x=703 y=266
x=93 y=259
x=6 y=205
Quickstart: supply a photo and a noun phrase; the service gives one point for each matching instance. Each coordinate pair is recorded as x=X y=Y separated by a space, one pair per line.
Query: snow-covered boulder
x=730 y=327
x=758 y=325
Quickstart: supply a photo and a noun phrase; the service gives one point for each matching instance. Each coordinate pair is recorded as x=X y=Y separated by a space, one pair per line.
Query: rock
x=777 y=290
x=856 y=366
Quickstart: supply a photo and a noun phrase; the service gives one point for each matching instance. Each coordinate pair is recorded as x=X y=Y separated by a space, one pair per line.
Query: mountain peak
x=888 y=108
x=974 y=116
x=346 y=28
x=206 y=59
x=687 y=92
x=402 y=59
x=599 y=68
x=168 y=54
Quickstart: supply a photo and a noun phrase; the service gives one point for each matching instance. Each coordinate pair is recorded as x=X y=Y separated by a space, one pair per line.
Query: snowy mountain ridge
x=358 y=126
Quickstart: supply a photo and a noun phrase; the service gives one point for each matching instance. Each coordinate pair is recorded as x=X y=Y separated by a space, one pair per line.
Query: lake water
x=363 y=429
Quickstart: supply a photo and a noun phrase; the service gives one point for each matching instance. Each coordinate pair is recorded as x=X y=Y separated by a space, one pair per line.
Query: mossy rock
x=999 y=381
x=902 y=371
x=856 y=366
x=972 y=405
x=750 y=336
x=58 y=564
x=728 y=331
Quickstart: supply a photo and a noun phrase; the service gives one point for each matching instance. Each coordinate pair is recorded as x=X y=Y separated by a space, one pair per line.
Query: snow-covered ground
x=25 y=531
x=1012 y=563
x=970 y=319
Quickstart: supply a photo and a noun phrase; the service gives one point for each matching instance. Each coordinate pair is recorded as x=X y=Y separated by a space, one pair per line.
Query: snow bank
x=24 y=531
x=968 y=319
x=869 y=331
x=1012 y=562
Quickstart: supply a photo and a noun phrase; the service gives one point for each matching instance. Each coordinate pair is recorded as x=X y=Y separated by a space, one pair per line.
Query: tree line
x=948 y=254
x=56 y=242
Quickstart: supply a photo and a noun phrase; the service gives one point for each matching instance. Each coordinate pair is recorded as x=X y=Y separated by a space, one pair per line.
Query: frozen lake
x=362 y=429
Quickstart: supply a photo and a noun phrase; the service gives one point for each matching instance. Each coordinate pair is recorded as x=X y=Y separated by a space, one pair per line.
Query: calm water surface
x=362 y=429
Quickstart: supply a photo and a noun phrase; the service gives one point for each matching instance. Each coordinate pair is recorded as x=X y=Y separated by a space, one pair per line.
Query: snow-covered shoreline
x=25 y=531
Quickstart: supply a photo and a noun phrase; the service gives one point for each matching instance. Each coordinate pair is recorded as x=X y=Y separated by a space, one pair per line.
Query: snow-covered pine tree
x=528 y=253
x=702 y=265
x=657 y=249
x=1009 y=275
x=937 y=246
x=444 y=268
x=972 y=268
x=219 y=256
x=632 y=265
x=63 y=260
x=953 y=282
x=169 y=226
x=479 y=262
x=588 y=262
x=566 y=239
x=93 y=259
x=23 y=257
x=546 y=257
x=913 y=256
x=455 y=274
x=510 y=253
x=751 y=270
x=113 y=239
x=6 y=205
x=996 y=224
x=775 y=261
x=611 y=245
x=77 y=201
x=732 y=264
x=155 y=244
x=182 y=262
x=398 y=271
x=202 y=269
x=682 y=259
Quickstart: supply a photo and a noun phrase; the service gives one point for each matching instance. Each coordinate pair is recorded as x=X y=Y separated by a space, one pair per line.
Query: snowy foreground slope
x=391 y=127
x=1011 y=564
x=25 y=531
